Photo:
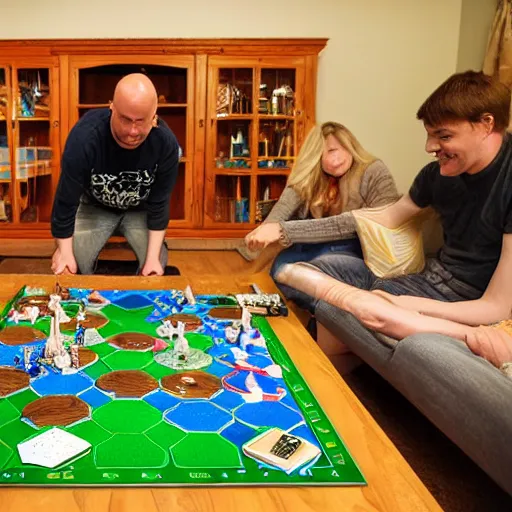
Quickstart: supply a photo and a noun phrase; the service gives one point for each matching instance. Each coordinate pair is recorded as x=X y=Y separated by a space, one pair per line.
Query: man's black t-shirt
x=475 y=212
x=94 y=165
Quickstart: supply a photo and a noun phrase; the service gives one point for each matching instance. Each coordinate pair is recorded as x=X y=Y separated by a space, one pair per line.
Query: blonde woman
x=333 y=174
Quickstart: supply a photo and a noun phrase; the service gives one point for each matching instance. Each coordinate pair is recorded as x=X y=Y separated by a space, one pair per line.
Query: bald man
x=119 y=168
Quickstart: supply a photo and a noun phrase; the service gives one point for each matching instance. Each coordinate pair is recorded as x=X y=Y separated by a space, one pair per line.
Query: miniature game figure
x=79 y=335
x=54 y=347
x=187 y=293
x=232 y=333
x=266 y=304
x=75 y=358
x=246 y=320
x=181 y=347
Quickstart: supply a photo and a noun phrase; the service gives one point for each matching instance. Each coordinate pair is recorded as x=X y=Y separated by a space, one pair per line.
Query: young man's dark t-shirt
x=118 y=179
x=475 y=211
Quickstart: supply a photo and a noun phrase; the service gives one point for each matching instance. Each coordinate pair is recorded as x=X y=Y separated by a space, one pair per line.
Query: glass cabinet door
x=34 y=158
x=6 y=206
x=253 y=135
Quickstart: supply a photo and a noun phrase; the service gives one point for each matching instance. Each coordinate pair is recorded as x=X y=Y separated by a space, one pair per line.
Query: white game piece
x=232 y=334
x=33 y=313
x=16 y=316
x=62 y=361
x=181 y=345
x=52 y=448
x=246 y=320
x=187 y=293
x=54 y=346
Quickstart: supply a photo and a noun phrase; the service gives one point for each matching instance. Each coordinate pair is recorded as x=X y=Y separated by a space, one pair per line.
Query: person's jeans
x=95 y=225
x=306 y=253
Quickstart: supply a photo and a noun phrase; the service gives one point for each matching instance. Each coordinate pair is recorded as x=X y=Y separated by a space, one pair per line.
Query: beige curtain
x=498 y=59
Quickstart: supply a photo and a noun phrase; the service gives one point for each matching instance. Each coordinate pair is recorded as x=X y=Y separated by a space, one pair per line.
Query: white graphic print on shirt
x=124 y=190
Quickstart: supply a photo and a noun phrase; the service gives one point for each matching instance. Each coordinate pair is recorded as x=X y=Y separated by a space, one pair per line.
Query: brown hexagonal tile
x=132 y=341
x=12 y=380
x=127 y=383
x=56 y=410
x=20 y=335
x=192 y=384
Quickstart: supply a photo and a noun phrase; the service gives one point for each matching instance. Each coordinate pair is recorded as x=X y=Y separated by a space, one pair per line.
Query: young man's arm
x=158 y=205
x=494 y=305
x=328 y=229
x=73 y=177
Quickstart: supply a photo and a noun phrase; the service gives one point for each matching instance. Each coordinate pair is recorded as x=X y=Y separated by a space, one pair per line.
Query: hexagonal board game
x=114 y=377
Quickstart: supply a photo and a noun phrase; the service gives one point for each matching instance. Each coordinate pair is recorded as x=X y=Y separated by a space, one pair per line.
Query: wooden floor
x=189 y=262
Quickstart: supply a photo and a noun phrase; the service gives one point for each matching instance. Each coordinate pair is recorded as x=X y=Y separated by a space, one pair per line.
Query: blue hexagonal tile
x=57 y=384
x=238 y=433
x=306 y=433
x=268 y=414
x=218 y=369
x=198 y=417
x=161 y=400
x=132 y=301
x=228 y=400
x=94 y=397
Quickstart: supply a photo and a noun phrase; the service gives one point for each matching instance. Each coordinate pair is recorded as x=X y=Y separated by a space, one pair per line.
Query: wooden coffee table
x=392 y=484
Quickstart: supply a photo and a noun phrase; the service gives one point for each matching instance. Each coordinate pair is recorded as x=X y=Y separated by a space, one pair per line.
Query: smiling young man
x=470 y=187
x=119 y=168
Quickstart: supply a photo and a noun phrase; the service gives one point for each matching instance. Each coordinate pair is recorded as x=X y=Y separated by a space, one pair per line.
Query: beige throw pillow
x=391 y=252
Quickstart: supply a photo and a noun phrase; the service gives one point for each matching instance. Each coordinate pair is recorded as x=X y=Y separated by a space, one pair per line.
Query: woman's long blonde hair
x=310 y=181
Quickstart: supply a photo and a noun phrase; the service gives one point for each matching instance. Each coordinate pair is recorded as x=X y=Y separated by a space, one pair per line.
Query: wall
x=383 y=59
x=475 y=24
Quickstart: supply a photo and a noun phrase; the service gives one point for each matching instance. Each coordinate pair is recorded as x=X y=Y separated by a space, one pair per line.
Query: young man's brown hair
x=468 y=96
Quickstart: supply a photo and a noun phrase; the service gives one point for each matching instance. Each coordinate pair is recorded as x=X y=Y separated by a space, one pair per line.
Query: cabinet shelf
x=22 y=118
x=276 y=117
x=240 y=171
x=235 y=117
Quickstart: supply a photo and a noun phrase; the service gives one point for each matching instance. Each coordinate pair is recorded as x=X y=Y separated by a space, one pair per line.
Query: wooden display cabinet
x=240 y=109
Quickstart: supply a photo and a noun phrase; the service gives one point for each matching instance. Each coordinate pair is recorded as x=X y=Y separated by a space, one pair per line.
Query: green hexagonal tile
x=165 y=435
x=199 y=341
x=158 y=370
x=8 y=412
x=128 y=360
x=5 y=454
x=102 y=349
x=96 y=370
x=21 y=399
x=90 y=431
x=127 y=319
x=17 y=431
x=130 y=451
x=127 y=416
x=200 y=450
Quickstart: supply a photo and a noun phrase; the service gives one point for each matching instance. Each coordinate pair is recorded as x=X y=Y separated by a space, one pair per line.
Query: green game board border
x=347 y=471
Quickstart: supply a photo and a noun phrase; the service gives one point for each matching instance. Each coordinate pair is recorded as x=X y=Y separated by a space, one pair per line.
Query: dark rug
x=454 y=480
x=127 y=268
